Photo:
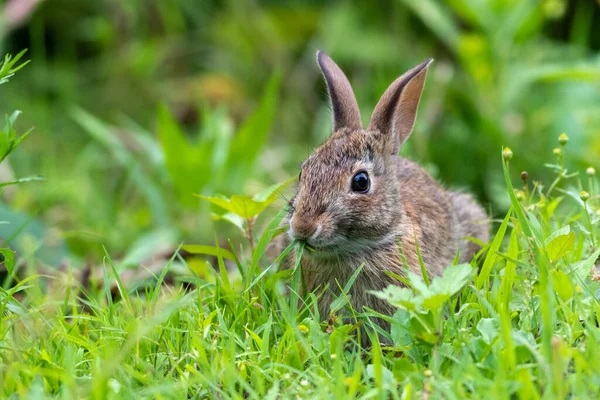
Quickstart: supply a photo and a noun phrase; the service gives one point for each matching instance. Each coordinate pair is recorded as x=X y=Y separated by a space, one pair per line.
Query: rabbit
x=359 y=203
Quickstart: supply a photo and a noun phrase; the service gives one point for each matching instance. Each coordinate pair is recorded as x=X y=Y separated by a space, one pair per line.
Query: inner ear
x=396 y=112
x=343 y=102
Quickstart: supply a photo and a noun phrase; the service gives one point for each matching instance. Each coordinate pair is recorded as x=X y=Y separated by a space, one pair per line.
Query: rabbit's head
x=348 y=193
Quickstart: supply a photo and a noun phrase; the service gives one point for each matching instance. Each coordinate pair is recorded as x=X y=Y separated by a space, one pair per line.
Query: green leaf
x=9 y=140
x=506 y=287
x=8 y=260
x=252 y=135
x=188 y=166
x=247 y=207
x=208 y=250
x=559 y=246
x=565 y=230
x=562 y=284
x=386 y=376
x=232 y=218
x=489 y=329
x=583 y=268
x=7 y=67
x=435 y=301
x=338 y=303
x=399 y=296
x=454 y=278
x=269 y=195
x=490 y=258
x=431 y=297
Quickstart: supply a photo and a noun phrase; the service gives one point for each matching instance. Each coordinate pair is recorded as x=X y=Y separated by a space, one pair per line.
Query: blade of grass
x=120 y=286
x=491 y=256
x=296 y=276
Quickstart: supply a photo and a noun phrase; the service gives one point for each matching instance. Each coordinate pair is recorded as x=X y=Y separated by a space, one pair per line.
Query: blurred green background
x=139 y=104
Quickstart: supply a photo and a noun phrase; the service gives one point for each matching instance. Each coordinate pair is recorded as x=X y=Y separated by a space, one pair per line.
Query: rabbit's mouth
x=318 y=251
x=309 y=247
x=325 y=251
x=342 y=247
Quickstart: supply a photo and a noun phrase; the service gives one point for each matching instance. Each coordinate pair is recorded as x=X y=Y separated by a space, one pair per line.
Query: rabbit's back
x=441 y=219
x=471 y=222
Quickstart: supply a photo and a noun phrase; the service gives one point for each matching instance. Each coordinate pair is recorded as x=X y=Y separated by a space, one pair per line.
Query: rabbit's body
x=360 y=204
x=438 y=220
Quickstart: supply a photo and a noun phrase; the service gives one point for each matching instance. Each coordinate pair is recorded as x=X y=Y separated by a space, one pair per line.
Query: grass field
x=149 y=165
x=522 y=326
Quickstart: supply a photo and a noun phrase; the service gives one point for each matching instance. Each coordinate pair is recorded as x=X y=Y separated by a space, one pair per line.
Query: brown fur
x=403 y=206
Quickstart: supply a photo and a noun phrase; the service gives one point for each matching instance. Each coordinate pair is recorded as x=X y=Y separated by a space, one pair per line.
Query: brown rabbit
x=358 y=202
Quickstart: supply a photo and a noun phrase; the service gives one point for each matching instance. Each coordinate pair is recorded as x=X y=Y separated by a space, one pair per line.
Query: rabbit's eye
x=360 y=182
x=300 y=175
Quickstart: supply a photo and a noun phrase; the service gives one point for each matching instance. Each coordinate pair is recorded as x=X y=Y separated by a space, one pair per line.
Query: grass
x=131 y=100
x=522 y=326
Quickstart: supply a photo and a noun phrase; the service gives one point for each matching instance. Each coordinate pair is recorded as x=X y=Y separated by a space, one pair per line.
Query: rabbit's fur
x=379 y=229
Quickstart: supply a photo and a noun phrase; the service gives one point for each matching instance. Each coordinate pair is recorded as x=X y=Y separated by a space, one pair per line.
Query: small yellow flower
x=519 y=194
x=428 y=373
x=578 y=289
x=563 y=139
x=303 y=328
x=507 y=154
x=584 y=196
x=591 y=171
x=557 y=152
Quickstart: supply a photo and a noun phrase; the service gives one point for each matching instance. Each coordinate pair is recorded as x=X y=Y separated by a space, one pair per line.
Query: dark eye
x=300 y=175
x=360 y=182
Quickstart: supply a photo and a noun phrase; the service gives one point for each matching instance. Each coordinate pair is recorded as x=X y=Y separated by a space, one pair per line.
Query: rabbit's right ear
x=343 y=102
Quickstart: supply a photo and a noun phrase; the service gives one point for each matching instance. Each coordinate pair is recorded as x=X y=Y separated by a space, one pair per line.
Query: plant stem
x=249 y=233
x=587 y=214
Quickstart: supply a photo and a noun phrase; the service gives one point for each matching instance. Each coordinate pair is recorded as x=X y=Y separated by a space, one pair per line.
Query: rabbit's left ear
x=395 y=114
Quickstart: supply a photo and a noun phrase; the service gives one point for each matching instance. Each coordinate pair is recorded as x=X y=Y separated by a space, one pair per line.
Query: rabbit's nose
x=304 y=229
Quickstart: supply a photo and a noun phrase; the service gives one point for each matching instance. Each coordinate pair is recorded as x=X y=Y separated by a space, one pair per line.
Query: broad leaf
x=247 y=207
x=399 y=297
x=583 y=268
x=488 y=327
x=559 y=246
x=454 y=278
x=562 y=284
x=232 y=218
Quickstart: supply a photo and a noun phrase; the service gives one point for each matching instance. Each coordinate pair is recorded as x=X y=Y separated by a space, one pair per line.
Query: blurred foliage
x=138 y=105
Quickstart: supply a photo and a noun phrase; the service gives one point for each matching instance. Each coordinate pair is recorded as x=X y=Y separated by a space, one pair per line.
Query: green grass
x=137 y=106
x=522 y=326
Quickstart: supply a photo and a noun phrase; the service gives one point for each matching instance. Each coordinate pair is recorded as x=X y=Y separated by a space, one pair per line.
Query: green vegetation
x=524 y=325
x=166 y=136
